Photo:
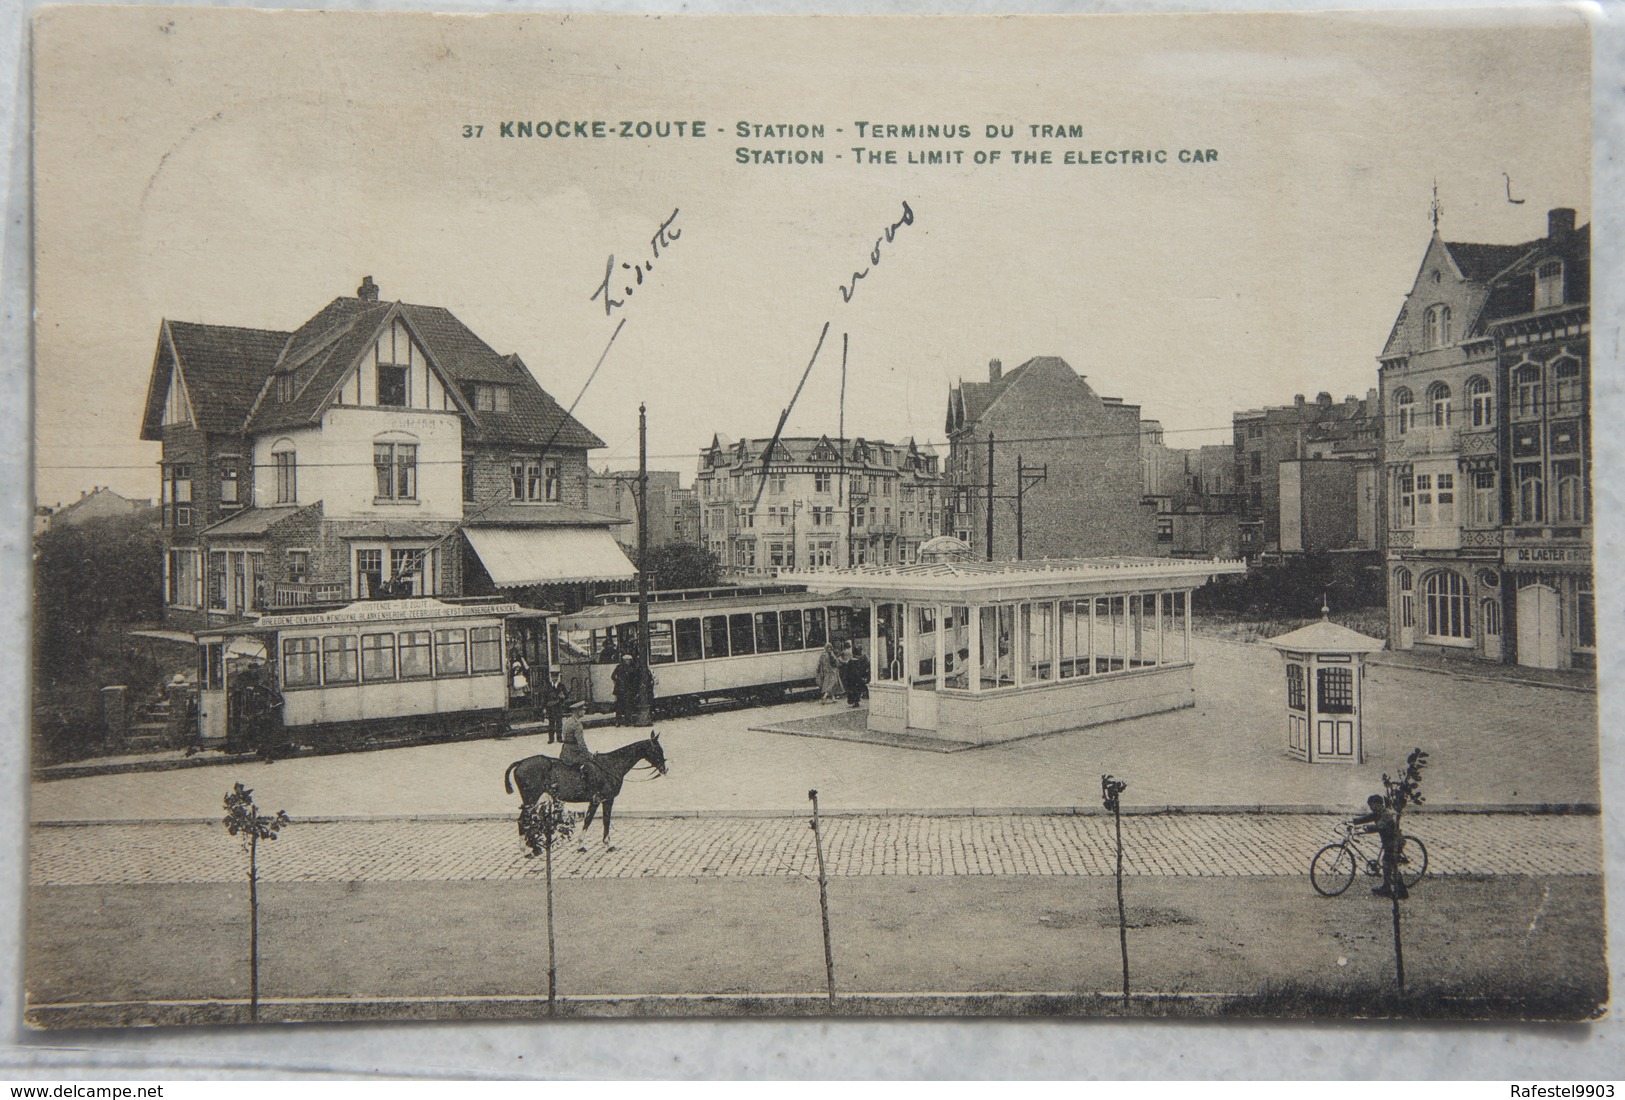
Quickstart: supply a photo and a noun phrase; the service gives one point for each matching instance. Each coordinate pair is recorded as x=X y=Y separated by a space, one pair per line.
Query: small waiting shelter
x=1325 y=667
x=990 y=651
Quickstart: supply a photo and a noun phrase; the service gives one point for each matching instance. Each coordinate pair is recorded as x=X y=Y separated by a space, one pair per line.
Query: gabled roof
x=972 y=400
x=325 y=349
x=222 y=367
x=1482 y=262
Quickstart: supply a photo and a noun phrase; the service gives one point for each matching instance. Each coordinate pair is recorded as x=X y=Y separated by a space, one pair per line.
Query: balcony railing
x=294 y=594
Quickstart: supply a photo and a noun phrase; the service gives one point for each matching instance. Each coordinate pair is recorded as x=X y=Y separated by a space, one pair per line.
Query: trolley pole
x=643 y=706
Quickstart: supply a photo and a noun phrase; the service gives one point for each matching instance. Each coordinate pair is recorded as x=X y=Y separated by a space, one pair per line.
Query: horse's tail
x=507 y=776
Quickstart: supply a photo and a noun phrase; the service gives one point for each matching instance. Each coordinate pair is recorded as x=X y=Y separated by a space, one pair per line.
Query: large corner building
x=1485 y=384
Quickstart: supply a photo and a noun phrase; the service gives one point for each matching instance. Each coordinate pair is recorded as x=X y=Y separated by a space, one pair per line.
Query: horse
x=539 y=775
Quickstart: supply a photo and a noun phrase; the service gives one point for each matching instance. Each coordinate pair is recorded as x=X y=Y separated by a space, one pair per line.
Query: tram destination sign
x=392 y=611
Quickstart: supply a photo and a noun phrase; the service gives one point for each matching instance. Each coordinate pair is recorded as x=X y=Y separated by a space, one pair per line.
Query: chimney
x=1559 y=223
x=1297 y=401
x=995 y=370
x=368 y=290
x=1323 y=399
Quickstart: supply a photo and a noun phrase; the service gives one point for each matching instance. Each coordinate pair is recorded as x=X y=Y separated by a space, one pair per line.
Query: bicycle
x=1333 y=869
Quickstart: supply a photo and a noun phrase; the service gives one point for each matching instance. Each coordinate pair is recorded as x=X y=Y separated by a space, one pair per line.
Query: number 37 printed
x=473 y=131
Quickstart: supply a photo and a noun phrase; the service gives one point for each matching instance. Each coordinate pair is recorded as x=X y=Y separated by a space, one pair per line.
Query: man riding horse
x=578 y=775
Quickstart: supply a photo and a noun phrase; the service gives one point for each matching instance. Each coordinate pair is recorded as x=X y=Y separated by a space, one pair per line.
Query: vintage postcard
x=584 y=516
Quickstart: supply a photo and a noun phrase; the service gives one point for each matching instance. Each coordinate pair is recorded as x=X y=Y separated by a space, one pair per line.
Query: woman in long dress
x=829 y=674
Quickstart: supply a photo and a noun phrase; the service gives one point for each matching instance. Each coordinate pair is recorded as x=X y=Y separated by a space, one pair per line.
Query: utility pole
x=1023 y=473
x=990 y=495
x=644 y=704
x=1021 y=516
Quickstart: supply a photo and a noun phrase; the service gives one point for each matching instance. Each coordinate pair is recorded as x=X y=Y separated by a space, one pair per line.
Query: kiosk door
x=212 y=706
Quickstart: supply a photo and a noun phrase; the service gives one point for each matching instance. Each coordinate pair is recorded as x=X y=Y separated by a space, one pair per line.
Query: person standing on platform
x=555 y=700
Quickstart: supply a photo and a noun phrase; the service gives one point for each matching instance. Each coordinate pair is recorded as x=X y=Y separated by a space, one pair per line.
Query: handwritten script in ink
x=635 y=273
x=874 y=253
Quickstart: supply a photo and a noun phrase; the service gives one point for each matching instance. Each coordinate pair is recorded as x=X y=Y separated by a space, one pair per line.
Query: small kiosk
x=991 y=651
x=1325 y=668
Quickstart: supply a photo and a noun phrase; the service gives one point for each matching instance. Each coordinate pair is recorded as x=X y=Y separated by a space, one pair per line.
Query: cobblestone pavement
x=1053 y=844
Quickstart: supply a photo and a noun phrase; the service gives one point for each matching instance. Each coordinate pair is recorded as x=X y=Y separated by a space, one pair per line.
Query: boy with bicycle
x=1383 y=821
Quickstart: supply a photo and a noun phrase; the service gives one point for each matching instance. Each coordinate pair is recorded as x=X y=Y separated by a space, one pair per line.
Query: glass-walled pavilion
x=990 y=651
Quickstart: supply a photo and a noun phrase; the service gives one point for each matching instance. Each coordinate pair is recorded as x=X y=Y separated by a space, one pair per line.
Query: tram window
x=415 y=654
x=790 y=633
x=840 y=623
x=377 y=657
x=660 y=651
x=299 y=663
x=767 y=632
x=485 y=648
x=817 y=634
x=716 y=636
x=688 y=640
x=626 y=638
x=608 y=650
x=740 y=637
x=339 y=663
x=450 y=652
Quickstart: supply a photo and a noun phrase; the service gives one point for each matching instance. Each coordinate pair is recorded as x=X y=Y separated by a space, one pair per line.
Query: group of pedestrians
x=842 y=671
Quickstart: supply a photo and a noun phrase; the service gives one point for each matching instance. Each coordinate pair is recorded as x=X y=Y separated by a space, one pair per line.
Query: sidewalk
x=1492 y=745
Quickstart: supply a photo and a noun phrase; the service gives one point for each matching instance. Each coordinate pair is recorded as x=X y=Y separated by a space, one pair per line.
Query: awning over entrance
x=549 y=555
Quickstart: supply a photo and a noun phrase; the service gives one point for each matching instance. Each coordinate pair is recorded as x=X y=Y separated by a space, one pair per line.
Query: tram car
x=755 y=644
x=368 y=672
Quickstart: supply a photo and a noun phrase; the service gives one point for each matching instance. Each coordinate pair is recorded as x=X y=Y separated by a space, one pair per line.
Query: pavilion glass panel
x=889 y=641
x=925 y=654
x=956 y=647
x=998 y=629
x=1038 y=624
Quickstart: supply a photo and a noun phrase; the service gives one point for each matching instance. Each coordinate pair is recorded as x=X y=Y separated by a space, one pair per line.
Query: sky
x=245 y=168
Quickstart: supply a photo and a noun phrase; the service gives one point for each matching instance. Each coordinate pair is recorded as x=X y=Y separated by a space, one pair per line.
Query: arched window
x=1436 y=326
x=1491 y=610
x=1449 y=606
x=1407 y=612
x=1566 y=385
x=1526 y=390
x=1549 y=284
x=1404 y=411
x=1481 y=399
x=1439 y=405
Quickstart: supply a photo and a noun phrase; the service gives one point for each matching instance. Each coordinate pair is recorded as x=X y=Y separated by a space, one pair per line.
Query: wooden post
x=253 y=927
x=823 y=900
x=552 y=946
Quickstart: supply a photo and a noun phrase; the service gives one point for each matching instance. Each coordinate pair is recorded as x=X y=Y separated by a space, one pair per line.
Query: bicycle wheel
x=1413 y=860
x=1332 y=870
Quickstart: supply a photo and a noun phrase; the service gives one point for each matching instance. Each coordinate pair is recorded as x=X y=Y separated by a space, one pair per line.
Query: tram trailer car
x=755 y=644
x=374 y=672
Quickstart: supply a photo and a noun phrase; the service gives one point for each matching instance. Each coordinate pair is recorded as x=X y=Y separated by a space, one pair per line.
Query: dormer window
x=491 y=397
x=1436 y=326
x=1549 y=284
x=283 y=388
